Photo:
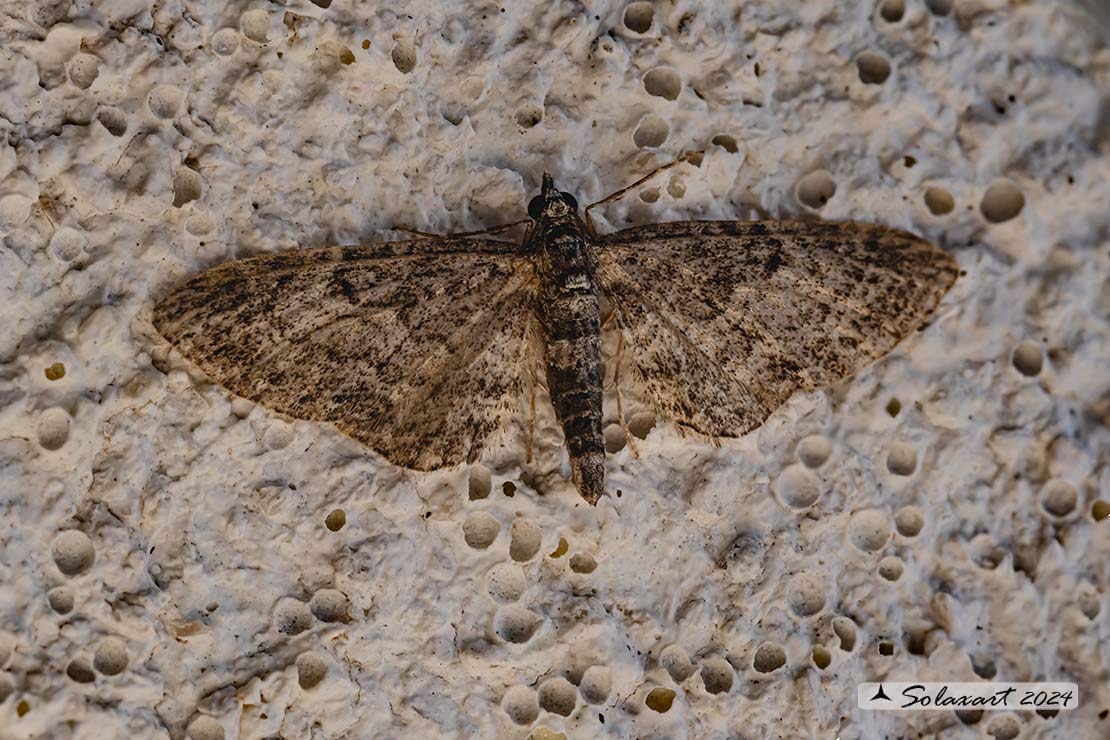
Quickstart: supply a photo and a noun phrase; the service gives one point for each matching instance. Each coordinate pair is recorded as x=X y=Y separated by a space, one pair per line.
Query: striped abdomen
x=572 y=328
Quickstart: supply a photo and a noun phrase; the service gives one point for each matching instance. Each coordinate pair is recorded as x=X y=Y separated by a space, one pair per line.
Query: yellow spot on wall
x=660 y=699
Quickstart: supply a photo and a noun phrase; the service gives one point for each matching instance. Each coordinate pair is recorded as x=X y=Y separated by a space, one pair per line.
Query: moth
x=419 y=348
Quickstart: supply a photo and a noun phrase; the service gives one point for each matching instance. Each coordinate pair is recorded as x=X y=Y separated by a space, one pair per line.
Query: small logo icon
x=880 y=694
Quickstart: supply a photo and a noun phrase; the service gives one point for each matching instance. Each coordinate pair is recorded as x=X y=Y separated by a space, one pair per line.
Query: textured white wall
x=941 y=506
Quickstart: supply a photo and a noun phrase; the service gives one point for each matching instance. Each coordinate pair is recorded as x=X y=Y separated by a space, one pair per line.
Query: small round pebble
x=641 y=424
x=225 y=41
x=505 y=582
x=909 y=520
x=677 y=662
x=726 y=142
x=769 y=657
x=329 y=605
x=14 y=210
x=1004 y=727
x=1059 y=498
x=1002 y=201
x=939 y=201
x=73 y=551
x=815 y=189
x=110 y=657
x=969 y=716
x=256 y=25
x=869 y=529
x=806 y=594
x=660 y=699
x=79 y=671
x=60 y=599
x=901 y=459
x=797 y=487
x=1028 y=358
x=187 y=187
x=114 y=120
x=524 y=540
x=205 y=728
x=164 y=100
x=614 y=438
x=528 y=116
x=519 y=703
x=845 y=629
x=663 y=82
x=890 y=568
x=292 y=616
x=716 y=675
x=479 y=483
x=985 y=551
x=480 y=530
x=814 y=450
x=596 y=684
x=67 y=244
x=335 y=520
x=873 y=68
x=311 y=670
x=892 y=10
x=583 y=562
x=638 y=17
x=515 y=624
x=558 y=696
x=52 y=428
x=404 y=56
x=83 y=70
x=651 y=132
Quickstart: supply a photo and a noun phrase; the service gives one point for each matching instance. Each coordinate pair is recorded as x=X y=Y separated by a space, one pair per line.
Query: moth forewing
x=726 y=320
x=416 y=349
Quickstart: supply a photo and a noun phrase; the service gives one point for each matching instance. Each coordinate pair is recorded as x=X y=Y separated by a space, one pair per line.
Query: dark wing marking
x=726 y=320
x=415 y=348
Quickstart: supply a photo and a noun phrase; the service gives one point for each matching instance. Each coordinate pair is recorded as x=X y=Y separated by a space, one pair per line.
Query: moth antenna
x=491 y=230
x=692 y=157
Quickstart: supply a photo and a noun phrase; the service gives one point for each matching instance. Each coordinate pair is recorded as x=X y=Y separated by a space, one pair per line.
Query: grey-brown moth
x=419 y=348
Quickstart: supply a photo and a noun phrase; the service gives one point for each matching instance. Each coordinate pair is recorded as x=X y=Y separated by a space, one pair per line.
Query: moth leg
x=620 y=402
x=694 y=157
x=531 y=427
x=479 y=232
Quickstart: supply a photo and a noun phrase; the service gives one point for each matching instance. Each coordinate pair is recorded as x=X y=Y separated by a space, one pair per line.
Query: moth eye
x=570 y=201
x=535 y=207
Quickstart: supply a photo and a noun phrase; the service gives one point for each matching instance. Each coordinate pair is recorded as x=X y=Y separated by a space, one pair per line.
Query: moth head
x=551 y=201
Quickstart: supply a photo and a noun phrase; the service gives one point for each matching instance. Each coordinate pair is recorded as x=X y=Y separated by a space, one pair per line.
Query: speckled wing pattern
x=724 y=321
x=414 y=348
